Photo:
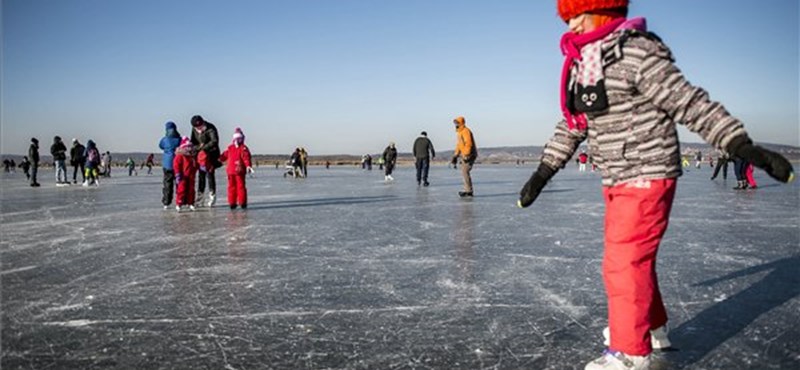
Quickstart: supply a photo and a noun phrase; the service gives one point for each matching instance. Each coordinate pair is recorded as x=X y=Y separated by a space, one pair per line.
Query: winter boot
x=612 y=360
x=465 y=194
x=658 y=337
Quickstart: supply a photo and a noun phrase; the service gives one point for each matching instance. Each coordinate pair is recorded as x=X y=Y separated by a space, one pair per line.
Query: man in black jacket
x=205 y=138
x=389 y=158
x=423 y=153
x=76 y=159
x=33 y=155
x=59 y=152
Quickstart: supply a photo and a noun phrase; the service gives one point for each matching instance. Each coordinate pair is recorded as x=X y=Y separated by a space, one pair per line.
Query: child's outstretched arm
x=555 y=155
x=662 y=82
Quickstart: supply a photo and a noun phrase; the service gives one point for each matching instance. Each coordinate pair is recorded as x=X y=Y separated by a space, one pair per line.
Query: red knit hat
x=569 y=9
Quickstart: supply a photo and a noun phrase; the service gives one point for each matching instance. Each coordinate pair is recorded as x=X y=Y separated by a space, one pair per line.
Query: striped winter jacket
x=636 y=138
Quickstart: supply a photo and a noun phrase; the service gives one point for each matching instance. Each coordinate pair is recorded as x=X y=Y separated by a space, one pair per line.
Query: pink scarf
x=571 y=45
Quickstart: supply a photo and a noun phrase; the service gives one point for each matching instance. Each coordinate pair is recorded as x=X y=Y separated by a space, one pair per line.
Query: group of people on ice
x=84 y=160
x=186 y=158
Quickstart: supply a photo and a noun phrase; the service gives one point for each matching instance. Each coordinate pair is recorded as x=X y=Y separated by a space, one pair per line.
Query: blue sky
x=348 y=76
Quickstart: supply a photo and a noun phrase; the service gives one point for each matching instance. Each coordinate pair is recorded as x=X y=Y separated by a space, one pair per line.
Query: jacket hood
x=90 y=144
x=171 y=129
x=460 y=121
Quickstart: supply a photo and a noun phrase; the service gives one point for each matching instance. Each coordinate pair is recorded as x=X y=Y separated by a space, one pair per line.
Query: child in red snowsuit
x=185 y=168
x=238 y=157
x=621 y=91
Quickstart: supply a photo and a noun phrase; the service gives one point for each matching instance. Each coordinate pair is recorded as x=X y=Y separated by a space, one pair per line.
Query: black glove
x=454 y=160
x=535 y=185
x=773 y=163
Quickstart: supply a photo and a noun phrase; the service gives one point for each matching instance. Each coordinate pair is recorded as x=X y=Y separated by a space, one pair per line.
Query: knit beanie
x=569 y=9
x=238 y=136
x=186 y=143
x=197 y=121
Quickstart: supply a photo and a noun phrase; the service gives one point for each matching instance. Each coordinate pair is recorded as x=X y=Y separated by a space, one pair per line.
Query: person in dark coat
x=59 y=152
x=722 y=163
x=423 y=153
x=76 y=160
x=205 y=138
x=25 y=165
x=389 y=157
x=33 y=155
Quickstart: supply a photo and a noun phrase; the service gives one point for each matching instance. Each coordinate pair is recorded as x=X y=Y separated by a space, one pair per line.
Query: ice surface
x=342 y=270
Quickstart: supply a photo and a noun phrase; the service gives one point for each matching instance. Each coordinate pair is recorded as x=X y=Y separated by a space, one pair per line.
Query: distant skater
x=583 y=158
x=131 y=165
x=722 y=163
x=467 y=151
x=185 y=167
x=25 y=165
x=168 y=144
x=635 y=84
x=33 y=155
x=149 y=163
x=92 y=164
x=389 y=158
x=59 y=152
x=423 y=154
x=239 y=164
x=77 y=160
x=304 y=161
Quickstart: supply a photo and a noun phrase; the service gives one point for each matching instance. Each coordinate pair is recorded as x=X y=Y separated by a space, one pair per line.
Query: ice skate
x=659 y=338
x=426 y=184
x=178 y=208
x=465 y=194
x=166 y=208
x=212 y=198
x=199 y=199
x=85 y=184
x=611 y=360
x=191 y=208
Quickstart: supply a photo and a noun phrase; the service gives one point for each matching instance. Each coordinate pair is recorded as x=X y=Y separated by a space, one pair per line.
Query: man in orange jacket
x=467 y=150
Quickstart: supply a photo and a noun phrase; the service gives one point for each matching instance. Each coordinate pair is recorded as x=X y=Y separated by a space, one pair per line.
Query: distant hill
x=505 y=154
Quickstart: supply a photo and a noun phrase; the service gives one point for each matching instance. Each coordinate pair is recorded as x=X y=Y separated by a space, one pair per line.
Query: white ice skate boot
x=390 y=178
x=85 y=184
x=199 y=199
x=658 y=337
x=178 y=208
x=212 y=198
x=166 y=208
x=611 y=360
x=191 y=208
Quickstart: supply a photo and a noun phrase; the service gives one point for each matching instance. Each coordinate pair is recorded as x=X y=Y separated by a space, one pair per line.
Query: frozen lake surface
x=343 y=271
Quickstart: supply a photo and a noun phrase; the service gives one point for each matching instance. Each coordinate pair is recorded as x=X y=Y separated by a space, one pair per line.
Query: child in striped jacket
x=622 y=92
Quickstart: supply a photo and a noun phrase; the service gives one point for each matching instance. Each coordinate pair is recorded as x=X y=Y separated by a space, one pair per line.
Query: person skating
x=583 y=158
x=92 y=164
x=304 y=161
x=389 y=158
x=638 y=191
x=748 y=175
x=296 y=161
x=6 y=165
x=423 y=154
x=238 y=157
x=722 y=163
x=185 y=167
x=467 y=151
x=149 y=163
x=105 y=163
x=205 y=138
x=131 y=165
x=168 y=144
x=33 y=155
x=59 y=152
x=77 y=160
x=25 y=165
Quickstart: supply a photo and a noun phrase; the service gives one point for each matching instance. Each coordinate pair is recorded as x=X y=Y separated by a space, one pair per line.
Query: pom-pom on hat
x=569 y=9
x=238 y=136
x=186 y=143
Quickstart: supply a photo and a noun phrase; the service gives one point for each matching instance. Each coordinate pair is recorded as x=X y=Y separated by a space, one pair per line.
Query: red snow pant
x=184 y=194
x=751 y=181
x=237 y=190
x=636 y=218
